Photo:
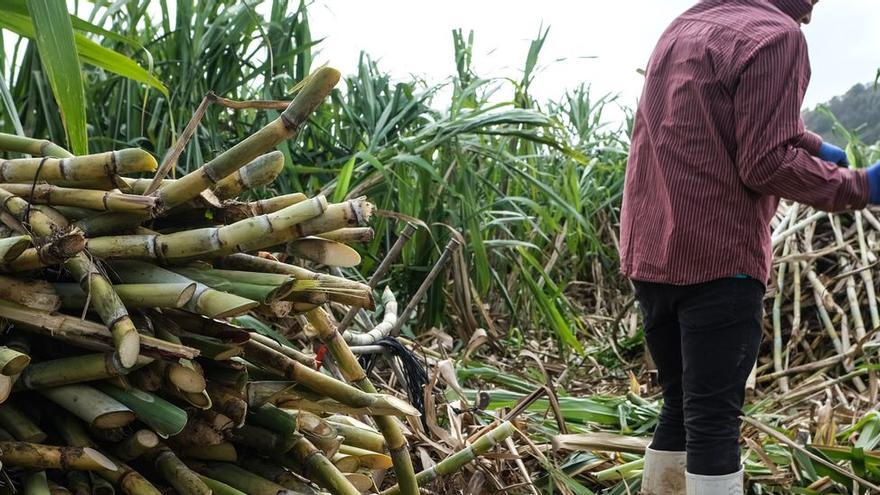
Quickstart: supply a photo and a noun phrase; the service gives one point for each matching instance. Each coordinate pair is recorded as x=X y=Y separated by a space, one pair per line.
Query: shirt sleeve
x=811 y=142
x=774 y=151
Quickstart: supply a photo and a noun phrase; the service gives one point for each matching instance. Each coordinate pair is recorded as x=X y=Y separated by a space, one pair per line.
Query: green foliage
x=858 y=109
x=531 y=189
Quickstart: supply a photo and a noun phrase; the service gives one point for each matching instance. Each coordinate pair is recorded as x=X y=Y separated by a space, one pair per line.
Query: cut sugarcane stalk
x=220 y=488
x=239 y=478
x=13 y=247
x=366 y=458
x=132 y=295
x=266 y=392
x=163 y=417
x=48 y=194
x=360 y=481
x=39 y=456
x=212 y=348
x=316 y=88
x=248 y=234
x=357 y=434
x=182 y=374
x=233 y=211
x=228 y=403
x=97 y=409
x=319 y=382
x=319 y=432
x=37 y=294
x=306 y=359
x=222 y=452
x=57 y=250
x=84 y=333
x=107 y=304
x=260 y=439
x=199 y=433
x=351 y=234
x=354 y=373
x=346 y=463
x=178 y=475
x=31 y=146
x=123 y=476
x=77 y=168
x=136 y=445
x=276 y=474
x=346 y=287
x=205 y=300
x=36 y=483
x=259 y=172
x=325 y=252
x=351 y=213
x=75 y=369
x=12 y=362
x=13 y=420
x=455 y=461
x=264 y=293
x=307 y=459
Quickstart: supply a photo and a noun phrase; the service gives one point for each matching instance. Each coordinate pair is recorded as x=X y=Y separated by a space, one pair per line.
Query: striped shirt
x=718 y=138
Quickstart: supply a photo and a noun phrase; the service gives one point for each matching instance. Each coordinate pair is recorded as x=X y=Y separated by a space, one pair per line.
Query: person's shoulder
x=757 y=20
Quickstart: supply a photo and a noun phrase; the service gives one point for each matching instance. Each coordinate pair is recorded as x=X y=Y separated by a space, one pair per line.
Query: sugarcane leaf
x=88 y=51
x=53 y=33
x=79 y=24
x=343 y=181
x=251 y=323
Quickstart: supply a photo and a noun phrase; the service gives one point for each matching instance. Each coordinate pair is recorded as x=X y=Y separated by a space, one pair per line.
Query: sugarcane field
x=333 y=247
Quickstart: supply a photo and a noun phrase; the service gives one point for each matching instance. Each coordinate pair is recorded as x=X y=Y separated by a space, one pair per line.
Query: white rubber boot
x=663 y=473
x=727 y=484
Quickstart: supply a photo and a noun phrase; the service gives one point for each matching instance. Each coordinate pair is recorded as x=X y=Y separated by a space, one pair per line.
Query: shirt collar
x=795 y=8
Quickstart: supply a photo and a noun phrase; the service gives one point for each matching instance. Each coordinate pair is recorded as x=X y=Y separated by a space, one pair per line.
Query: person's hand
x=833 y=154
x=874 y=183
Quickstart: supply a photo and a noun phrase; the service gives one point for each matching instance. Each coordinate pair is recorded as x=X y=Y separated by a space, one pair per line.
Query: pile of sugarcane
x=136 y=354
x=823 y=310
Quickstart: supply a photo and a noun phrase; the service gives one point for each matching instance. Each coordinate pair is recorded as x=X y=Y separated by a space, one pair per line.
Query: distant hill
x=858 y=109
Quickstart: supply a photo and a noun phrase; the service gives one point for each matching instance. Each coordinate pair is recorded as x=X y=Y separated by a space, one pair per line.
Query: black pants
x=704 y=339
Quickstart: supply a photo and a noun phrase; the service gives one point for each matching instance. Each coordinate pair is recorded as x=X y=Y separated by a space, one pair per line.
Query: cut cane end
x=128 y=348
x=114 y=419
x=100 y=459
x=186 y=295
x=400 y=405
x=16 y=365
x=186 y=379
x=135 y=160
x=18 y=247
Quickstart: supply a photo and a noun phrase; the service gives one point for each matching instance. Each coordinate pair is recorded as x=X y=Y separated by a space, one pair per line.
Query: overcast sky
x=409 y=36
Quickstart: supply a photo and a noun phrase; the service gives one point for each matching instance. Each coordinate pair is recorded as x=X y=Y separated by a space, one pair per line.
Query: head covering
x=795 y=8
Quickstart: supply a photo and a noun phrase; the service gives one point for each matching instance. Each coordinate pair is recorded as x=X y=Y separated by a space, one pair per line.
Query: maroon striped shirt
x=718 y=138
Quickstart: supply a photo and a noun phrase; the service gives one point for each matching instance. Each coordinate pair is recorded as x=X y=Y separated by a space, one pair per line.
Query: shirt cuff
x=859 y=192
x=811 y=142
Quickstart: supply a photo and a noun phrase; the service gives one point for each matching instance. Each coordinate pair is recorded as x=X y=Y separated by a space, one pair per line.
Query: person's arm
x=772 y=144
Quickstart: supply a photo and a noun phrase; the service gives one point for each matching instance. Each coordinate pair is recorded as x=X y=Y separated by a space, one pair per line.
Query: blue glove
x=833 y=154
x=874 y=183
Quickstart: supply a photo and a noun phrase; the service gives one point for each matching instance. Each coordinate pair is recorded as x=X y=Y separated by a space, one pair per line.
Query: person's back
x=718 y=138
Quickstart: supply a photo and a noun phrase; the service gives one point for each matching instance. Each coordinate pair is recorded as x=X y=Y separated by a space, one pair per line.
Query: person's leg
x=664 y=468
x=663 y=338
x=721 y=331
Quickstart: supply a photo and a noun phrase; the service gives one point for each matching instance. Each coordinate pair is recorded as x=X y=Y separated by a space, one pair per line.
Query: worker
x=718 y=139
